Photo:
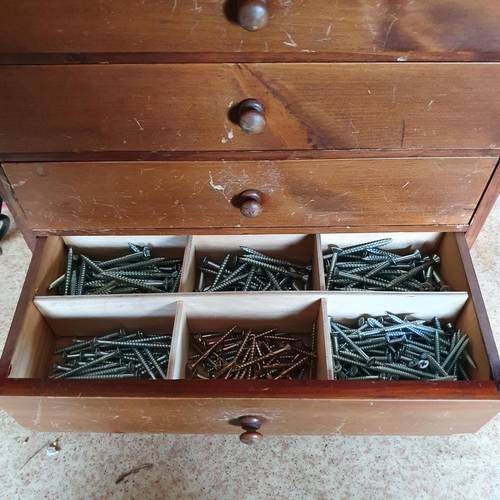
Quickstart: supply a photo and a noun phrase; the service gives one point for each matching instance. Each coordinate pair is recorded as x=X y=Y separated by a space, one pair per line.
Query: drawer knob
x=251 y=425
x=252 y=119
x=251 y=203
x=253 y=15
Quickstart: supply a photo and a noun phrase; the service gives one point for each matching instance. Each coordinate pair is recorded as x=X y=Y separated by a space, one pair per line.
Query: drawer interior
x=190 y=314
x=302 y=249
x=297 y=319
x=49 y=322
x=55 y=255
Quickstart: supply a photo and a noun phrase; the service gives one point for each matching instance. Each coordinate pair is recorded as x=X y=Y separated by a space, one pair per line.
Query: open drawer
x=319 y=405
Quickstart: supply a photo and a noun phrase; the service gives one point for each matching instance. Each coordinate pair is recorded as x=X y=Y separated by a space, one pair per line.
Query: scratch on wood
x=138 y=124
x=173 y=9
x=403 y=134
x=429 y=107
x=354 y=132
x=196 y=8
x=291 y=43
x=217 y=187
x=389 y=30
x=394 y=95
x=328 y=29
x=406 y=184
x=303 y=206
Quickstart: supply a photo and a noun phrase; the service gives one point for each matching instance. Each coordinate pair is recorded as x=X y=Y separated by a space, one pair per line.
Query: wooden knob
x=251 y=203
x=251 y=425
x=252 y=119
x=251 y=438
x=253 y=15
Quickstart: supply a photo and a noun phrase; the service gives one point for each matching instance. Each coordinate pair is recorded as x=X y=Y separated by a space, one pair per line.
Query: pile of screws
x=368 y=267
x=391 y=348
x=247 y=355
x=117 y=355
x=136 y=272
x=252 y=271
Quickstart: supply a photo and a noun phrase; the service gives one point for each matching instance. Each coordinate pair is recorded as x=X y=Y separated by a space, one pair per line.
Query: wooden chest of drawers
x=121 y=121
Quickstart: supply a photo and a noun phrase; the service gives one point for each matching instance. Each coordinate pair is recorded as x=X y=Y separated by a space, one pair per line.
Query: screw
x=88 y=365
x=128 y=281
x=365 y=246
x=69 y=267
x=271 y=267
x=434 y=260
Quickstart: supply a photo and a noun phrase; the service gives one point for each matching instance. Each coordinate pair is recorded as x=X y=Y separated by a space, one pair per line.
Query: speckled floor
x=219 y=467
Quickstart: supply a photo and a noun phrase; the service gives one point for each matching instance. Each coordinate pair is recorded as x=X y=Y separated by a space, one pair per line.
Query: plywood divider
x=89 y=313
x=318 y=269
x=324 y=367
x=188 y=274
x=454 y=273
x=402 y=242
x=349 y=306
x=53 y=264
x=180 y=344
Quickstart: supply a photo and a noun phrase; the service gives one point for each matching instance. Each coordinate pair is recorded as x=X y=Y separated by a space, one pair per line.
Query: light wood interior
x=460 y=313
x=55 y=316
x=300 y=249
x=100 y=248
x=404 y=243
x=256 y=316
x=454 y=274
x=154 y=323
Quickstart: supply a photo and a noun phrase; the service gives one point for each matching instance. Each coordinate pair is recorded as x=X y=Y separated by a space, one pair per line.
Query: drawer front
x=204 y=195
x=312 y=29
x=194 y=107
x=207 y=415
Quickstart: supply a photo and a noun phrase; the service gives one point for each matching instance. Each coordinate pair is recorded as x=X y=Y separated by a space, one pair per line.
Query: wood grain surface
x=484 y=207
x=110 y=196
x=298 y=414
x=191 y=107
x=312 y=30
x=15 y=209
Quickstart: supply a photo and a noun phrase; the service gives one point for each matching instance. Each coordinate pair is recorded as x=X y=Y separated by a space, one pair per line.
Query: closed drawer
x=318 y=406
x=311 y=29
x=194 y=107
x=93 y=197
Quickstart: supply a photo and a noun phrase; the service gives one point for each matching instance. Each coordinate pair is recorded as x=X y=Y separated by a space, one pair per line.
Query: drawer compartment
x=286 y=407
x=302 y=250
x=203 y=196
x=310 y=29
x=204 y=316
x=307 y=250
x=192 y=107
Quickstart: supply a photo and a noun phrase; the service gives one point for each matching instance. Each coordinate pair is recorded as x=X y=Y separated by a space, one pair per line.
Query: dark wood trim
x=62 y=58
x=337 y=154
x=16 y=211
x=484 y=207
x=253 y=230
x=27 y=294
x=480 y=308
x=254 y=389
